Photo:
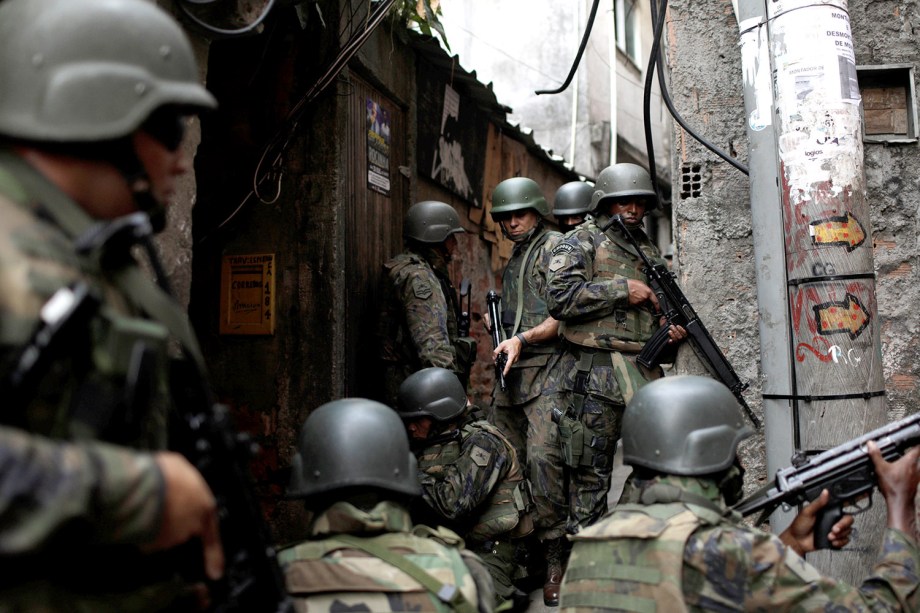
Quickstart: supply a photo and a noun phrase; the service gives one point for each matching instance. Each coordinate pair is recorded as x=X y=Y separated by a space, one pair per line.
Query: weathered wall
x=713 y=226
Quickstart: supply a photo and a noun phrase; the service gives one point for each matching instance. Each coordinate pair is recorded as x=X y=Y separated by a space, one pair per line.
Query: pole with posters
x=820 y=340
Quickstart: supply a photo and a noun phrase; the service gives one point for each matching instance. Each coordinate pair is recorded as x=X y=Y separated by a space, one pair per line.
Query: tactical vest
x=506 y=510
x=86 y=393
x=315 y=571
x=627 y=328
x=633 y=559
x=534 y=310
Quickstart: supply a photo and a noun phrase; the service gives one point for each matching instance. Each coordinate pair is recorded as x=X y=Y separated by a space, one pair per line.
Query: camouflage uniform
x=534 y=384
x=418 y=327
x=587 y=290
x=83 y=397
x=672 y=556
x=471 y=478
x=324 y=574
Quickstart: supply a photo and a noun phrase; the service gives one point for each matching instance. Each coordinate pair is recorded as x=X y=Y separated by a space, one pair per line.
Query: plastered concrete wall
x=712 y=228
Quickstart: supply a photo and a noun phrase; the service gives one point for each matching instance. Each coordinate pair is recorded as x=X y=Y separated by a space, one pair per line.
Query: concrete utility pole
x=820 y=343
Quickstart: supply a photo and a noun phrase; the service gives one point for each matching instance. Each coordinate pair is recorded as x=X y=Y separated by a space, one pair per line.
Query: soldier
x=418 y=325
x=572 y=205
x=470 y=477
x=356 y=476
x=680 y=549
x=533 y=380
x=96 y=95
x=597 y=287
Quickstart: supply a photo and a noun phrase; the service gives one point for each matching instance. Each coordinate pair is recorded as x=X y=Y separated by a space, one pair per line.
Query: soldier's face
x=567 y=222
x=519 y=223
x=418 y=428
x=164 y=164
x=632 y=211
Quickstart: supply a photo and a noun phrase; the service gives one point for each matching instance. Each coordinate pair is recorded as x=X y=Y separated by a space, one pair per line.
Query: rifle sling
x=449 y=594
x=519 y=312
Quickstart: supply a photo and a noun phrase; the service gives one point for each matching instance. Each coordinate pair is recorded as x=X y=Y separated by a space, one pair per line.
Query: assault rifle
x=678 y=311
x=846 y=471
x=494 y=302
x=463 y=322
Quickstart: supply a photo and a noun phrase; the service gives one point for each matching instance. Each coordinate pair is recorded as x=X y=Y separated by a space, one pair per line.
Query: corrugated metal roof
x=465 y=81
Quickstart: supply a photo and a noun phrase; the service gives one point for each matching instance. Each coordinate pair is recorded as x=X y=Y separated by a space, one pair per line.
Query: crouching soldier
x=357 y=476
x=469 y=474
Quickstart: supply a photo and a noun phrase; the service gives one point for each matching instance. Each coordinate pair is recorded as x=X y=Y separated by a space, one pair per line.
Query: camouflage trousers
x=590 y=483
x=499 y=558
x=535 y=438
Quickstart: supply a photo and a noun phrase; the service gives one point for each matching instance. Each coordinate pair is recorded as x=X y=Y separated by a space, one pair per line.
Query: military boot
x=554 y=551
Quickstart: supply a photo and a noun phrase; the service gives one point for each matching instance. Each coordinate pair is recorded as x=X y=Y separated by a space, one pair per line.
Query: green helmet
x=431 y=221
x=623 y=181
x=573 y=198
x=518 y=193
x=683 y=425
x=431 y=392
x=353 y=442
x=91 y=70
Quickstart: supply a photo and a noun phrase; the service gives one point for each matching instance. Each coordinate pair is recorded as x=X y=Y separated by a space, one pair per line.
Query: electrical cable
x=655 y=61
x=581 y=50
x=221 y=32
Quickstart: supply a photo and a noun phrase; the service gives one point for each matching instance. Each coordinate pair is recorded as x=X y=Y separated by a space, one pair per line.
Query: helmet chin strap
x=523 y=238
x=132 y=169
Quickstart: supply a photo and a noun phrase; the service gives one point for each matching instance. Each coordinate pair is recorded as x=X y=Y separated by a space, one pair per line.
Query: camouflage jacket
x=323 y=574
x=418 y=324
x=80 y=396
x=527 y=376
x=475 y=482
x=635 y=554
x=587 y=288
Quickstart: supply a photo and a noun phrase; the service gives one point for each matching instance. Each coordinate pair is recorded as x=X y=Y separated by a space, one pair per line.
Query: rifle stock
x=677 y=311
x=846 y=471
x=494 y=302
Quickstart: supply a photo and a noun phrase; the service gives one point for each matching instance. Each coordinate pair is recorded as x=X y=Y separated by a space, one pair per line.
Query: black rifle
x=494 y=302
x=678 y=311
x=463 y=322
x=846 y=471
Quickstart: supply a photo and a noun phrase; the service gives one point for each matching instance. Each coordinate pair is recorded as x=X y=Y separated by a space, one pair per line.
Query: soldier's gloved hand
x=189 y=511
x=800 y=535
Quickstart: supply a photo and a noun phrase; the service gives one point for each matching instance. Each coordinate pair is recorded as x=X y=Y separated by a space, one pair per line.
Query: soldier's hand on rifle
x=512 y=349
x=189 y=511
x=897 y=481
x=676 y=333
x=800 y=534
x=639 y=293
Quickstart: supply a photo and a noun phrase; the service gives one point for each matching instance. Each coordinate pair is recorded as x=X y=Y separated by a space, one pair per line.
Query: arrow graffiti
x=843 y=230
x=846 y=317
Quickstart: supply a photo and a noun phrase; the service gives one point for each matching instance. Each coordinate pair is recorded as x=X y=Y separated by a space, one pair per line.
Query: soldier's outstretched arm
x=114 y=495
x=572 y=292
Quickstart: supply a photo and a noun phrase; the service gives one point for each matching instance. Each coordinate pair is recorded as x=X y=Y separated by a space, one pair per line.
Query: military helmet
x=518 y=193
x=431 y=221
x=683 y=425
x=622 y=181
x=573 y=198
x=91 y=70
x=353 y=442
x=431 y=392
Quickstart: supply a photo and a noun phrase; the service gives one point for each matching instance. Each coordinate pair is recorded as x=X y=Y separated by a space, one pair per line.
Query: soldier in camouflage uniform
x=680 y=549
x=533 y=380
x=572 y=205
x=470 y=477
x=418 y=325
x=356 y=476
x=597 y=287
x=95 y=98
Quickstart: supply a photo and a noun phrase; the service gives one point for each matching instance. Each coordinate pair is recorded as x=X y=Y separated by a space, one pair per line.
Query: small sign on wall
x=247 y=294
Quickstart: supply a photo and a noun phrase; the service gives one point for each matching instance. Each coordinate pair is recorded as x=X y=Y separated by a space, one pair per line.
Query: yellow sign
x=247 y=294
